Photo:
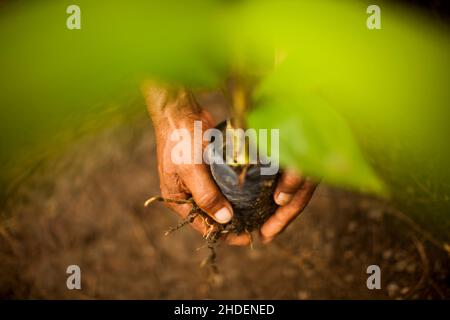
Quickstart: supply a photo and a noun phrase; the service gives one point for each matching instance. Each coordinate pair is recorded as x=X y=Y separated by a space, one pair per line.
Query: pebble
x=375 y=214
x=330 y=234
x=387 y=254
x=255 y=254
x=349 y=254
x=352 y=226
x=411 y=268
x=401 y=265
x=303 y=295
x=349 y=278
x=392 y=289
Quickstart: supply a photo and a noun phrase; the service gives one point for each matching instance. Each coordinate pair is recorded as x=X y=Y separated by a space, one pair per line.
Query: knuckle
x=290 y=179
x=309 y=184
x=208 y=200
x=290 y=214
x=290 y=182
x=276 y=225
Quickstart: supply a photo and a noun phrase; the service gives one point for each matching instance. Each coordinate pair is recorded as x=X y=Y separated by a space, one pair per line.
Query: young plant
x=365 y=109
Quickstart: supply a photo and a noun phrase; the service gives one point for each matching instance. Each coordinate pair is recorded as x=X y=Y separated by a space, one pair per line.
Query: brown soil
x=86 y=208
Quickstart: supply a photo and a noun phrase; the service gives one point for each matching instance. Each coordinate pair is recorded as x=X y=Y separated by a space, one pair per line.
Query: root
x=251 y=238
x=425 y=268
x=188 y=220
x=195 y=211
x=415 y=227
x=177 y=201
x=211 y=259
x=211 y=236
x=213 y=233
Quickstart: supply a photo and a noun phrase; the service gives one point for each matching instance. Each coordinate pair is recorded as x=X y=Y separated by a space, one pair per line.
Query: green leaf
x=314 y=138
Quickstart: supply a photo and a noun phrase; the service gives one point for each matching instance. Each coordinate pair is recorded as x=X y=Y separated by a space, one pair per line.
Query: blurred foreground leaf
x=352 y=104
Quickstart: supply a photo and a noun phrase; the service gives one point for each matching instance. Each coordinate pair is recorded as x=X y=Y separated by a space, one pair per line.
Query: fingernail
x=283 y=198
x=224 y=215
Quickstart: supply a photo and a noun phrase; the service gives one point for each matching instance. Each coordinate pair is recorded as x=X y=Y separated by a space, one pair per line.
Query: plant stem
x=240 y=100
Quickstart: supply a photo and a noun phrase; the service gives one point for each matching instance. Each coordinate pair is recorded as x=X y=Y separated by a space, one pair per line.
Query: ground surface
x=86 y=208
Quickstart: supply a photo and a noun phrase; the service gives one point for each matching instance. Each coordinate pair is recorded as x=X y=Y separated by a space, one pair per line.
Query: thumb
x=207 y=195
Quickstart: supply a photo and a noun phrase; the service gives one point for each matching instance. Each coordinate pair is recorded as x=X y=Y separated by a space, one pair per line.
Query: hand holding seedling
x=292 y=194
x=174 y=110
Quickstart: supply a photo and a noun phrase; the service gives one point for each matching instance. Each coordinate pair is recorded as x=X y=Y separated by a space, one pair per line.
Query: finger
x=287 y=186
x=207 y=195
x=238 y=240
x=285 y=214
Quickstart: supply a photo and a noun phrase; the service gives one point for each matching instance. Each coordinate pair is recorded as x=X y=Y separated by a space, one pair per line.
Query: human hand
x=173 y=109
x=292 y=194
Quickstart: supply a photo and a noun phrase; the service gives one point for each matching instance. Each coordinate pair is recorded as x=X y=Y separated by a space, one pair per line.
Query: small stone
x=308 y=272
x=303 y=295
x=411 y=268
x=203 y=289
x=387 y=254
x=349 y=278
x=216 y=280
x=392 y=289
x=289 y=272
x=401 y=265
x=404 y=290
x=375 y=214
x=348 y=255
x=330 y=234
x=352 y=226
x=399 y=255
x=255 y=254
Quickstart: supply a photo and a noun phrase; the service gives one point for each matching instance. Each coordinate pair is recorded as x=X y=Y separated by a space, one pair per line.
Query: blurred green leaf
x=314 y=138
x=347 y=99
x=53 y=79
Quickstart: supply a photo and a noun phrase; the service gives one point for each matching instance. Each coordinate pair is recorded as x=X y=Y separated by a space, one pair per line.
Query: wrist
x=169 y=104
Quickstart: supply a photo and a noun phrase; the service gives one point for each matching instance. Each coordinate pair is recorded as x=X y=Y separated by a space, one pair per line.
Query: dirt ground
x=86 y=208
